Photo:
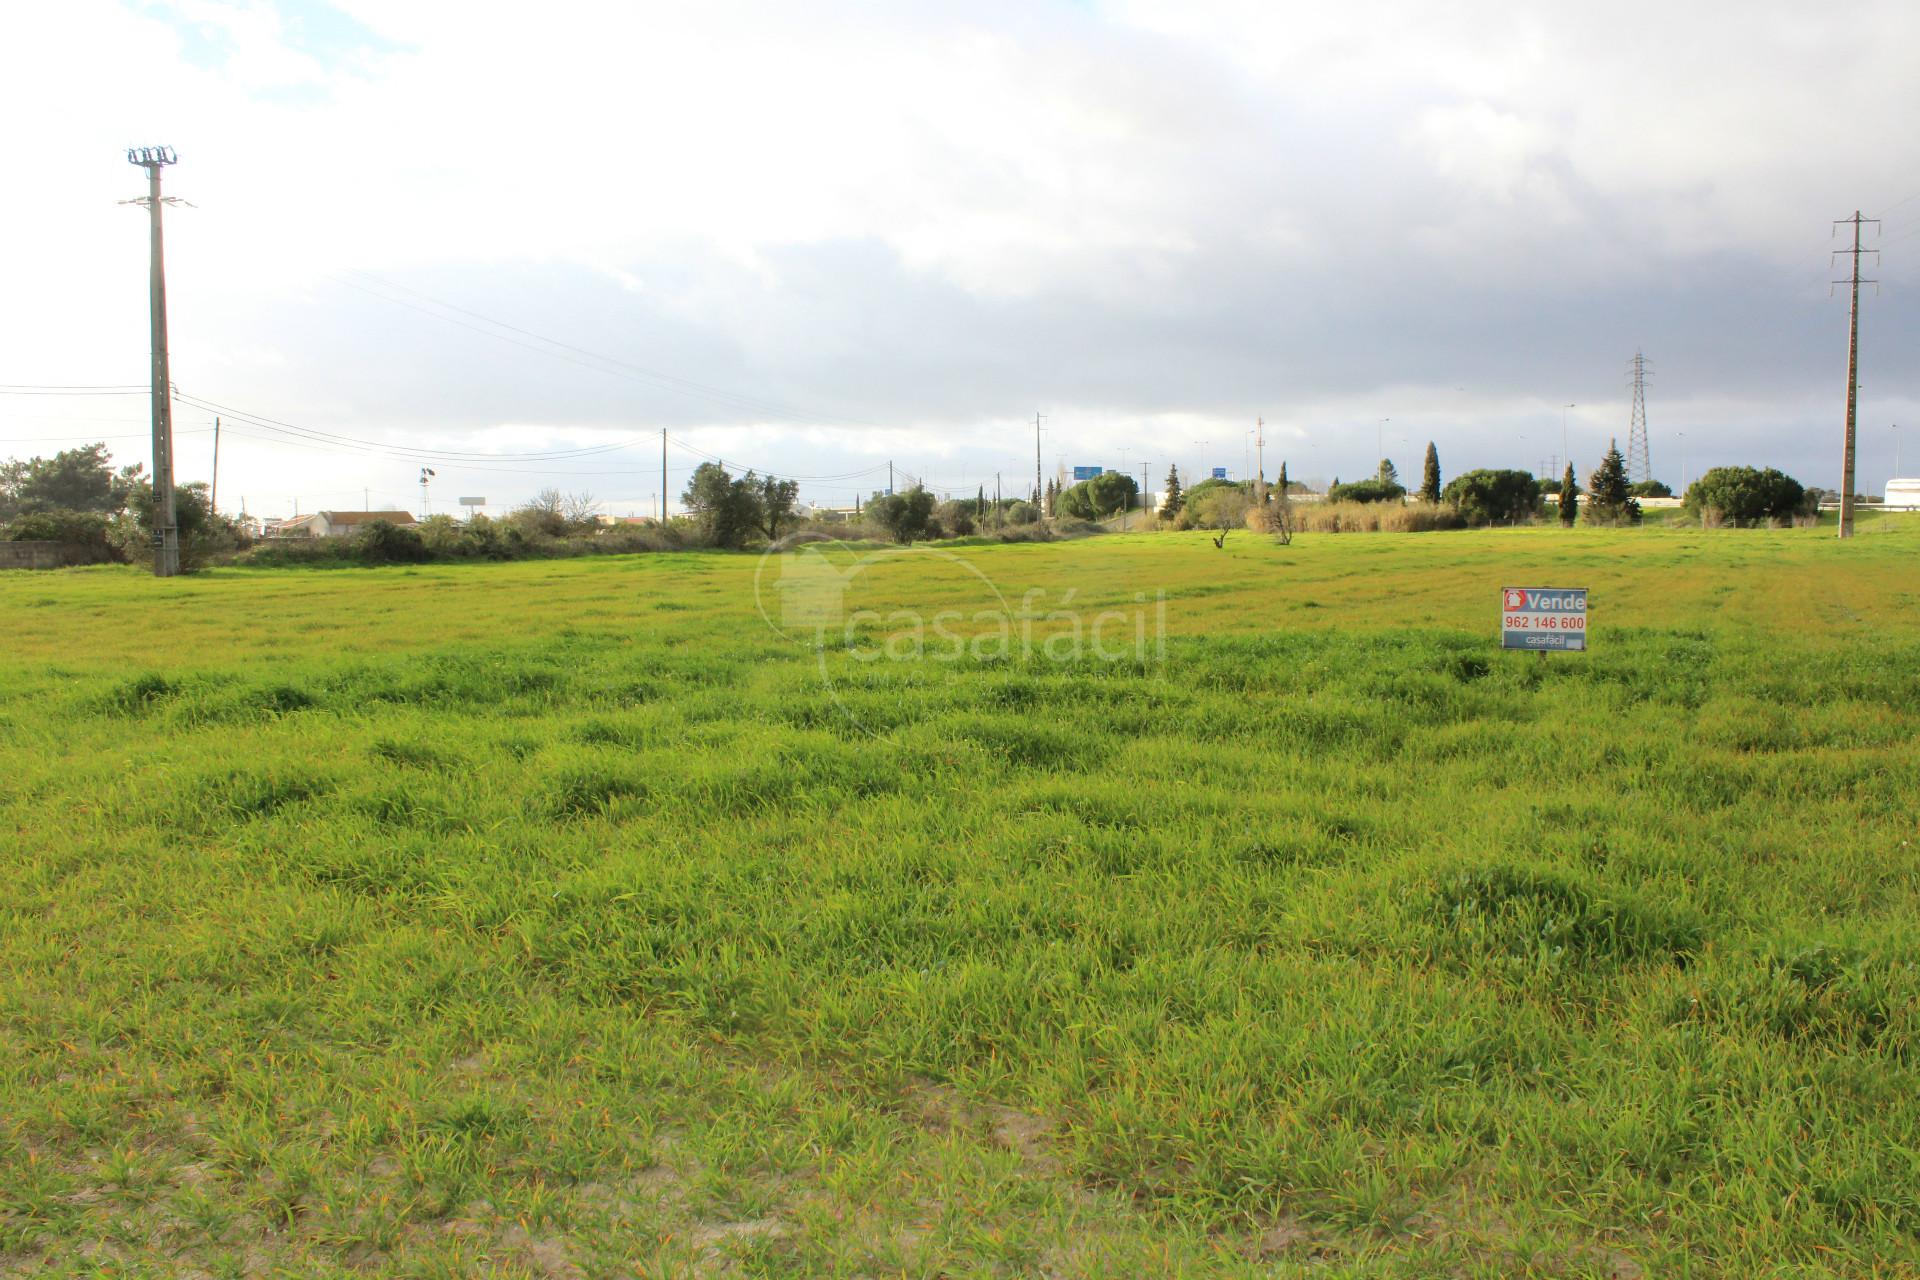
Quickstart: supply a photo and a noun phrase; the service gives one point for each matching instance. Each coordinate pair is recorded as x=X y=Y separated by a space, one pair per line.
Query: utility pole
x=166 y=526
x=1260 y=460
x=1039 y=499
x=889 y=477
x=996 y=498
x=213 y=495
x=1853 y=366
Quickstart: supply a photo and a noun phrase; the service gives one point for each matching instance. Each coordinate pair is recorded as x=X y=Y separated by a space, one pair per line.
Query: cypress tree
x=1170 y=504
x=1569 y=503
x=1430 y=476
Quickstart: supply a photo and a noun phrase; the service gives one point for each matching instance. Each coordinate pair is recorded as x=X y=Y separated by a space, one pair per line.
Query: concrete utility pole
x=1260 y=460
x=1039 y=495
x=1853 y=367
x=663 y=475
x=213 y=495
x=166 y=526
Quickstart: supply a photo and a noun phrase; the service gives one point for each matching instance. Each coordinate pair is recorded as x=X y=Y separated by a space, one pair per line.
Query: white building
x=334 y=524
x=1902 y=495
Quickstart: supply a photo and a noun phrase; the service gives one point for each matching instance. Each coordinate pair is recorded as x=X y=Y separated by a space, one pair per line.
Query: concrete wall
x=48 y=555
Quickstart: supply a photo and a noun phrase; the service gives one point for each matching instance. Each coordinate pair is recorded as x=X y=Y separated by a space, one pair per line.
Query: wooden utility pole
x=1853 y=369
x=166 y=527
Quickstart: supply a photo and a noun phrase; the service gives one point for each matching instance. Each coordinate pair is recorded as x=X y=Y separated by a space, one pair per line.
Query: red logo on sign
x=1516 y=599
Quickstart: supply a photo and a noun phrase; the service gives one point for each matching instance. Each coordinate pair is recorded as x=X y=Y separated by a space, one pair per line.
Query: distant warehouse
x=1902 y=495
x=334 y=524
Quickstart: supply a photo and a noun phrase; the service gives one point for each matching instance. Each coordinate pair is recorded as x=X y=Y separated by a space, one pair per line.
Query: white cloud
x=1149 y=216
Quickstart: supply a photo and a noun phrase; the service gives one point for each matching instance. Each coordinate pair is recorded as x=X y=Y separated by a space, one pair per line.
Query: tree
x=1493 y=495
x=1569 y=498
x=1745 y=496
x=580 y=509
x=1389 y=475
x=1430 y=475
x=904 y=515
x=203 y=534
x=725 y=509
x=774 y=504
x=1171 y=501
x=1650 y=489
x=73 y=480
x=1367 y=491
x=1104 y=495
x=1222 y=506
x=1276 y=514
x=1608 y=501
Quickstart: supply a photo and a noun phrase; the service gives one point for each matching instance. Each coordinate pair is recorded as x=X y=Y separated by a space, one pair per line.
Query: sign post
x=1543 y=618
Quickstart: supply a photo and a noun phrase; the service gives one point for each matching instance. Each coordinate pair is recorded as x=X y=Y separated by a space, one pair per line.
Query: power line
x=619 y=367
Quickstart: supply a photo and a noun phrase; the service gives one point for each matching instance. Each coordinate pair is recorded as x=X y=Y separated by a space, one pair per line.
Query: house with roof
x=336 y=524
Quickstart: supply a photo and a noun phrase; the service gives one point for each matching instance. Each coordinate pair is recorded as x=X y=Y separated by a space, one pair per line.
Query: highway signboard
x=1543 y=618
x=1087 y=473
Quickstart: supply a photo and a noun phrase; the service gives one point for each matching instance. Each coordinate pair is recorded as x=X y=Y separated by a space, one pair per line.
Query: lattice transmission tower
x=1638 y=466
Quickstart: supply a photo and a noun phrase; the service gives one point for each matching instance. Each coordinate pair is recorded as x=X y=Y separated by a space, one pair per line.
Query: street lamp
x=1565 y=452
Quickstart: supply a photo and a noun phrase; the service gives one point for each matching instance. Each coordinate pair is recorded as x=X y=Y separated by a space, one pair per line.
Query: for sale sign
x=1543 y=618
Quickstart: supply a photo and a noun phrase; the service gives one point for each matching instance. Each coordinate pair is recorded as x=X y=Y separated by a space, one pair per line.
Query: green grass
x=555 y=919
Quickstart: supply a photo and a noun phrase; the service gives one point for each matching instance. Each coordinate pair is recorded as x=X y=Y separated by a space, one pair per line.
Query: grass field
x=568 y=919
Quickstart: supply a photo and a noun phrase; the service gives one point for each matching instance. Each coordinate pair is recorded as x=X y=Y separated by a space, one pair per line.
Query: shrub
x=1374 y=517
x=75 y=528
x=907 y=517
x=383 y=542
x=1490 y=496
x=204 y=535
x=1650 y=489
x=1746 y=496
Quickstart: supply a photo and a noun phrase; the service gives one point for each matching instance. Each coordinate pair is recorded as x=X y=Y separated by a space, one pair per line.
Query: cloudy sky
x=518 y=241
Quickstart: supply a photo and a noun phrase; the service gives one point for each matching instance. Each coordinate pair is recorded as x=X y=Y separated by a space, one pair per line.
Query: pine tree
x=1608 y=500
x=1430 y=475
x=1388 y=474
x=1170 y=504
x=1569 y=500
